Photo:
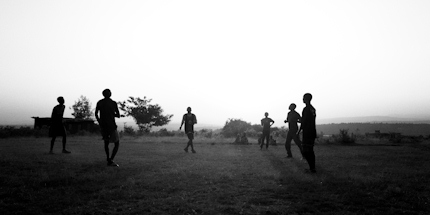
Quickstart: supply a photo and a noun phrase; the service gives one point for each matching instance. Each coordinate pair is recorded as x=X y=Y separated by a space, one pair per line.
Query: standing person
x=266 y=123
x=293 y=118
x=108 y=111
x=189 y=119
x=57 y=127
x=309 y=131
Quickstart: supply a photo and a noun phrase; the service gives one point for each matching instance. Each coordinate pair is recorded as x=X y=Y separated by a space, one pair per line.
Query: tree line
x=147 y=115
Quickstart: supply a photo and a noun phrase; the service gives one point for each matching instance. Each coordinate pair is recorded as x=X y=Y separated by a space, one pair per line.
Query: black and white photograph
x=215 y=107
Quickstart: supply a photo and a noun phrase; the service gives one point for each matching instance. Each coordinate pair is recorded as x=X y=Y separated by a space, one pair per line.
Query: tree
x=82 y=108
x=233 y=127
x=144 y=114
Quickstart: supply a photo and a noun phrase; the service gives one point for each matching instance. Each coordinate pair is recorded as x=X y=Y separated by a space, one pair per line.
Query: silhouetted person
x=108 y=111
x=189 y=119
x=244 y=139
x=309 y=131
x=238 y=138
x=57 y=127
x=266 y=123
x=293 y=118
x=241 y=138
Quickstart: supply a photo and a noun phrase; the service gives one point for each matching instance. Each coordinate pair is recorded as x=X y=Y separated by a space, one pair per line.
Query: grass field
x=157 y=177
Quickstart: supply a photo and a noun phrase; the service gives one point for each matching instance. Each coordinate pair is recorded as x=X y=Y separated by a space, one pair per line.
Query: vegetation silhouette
x=145 y=115
x=82 y=108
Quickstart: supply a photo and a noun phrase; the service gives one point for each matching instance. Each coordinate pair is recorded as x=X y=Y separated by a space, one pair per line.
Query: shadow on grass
x=336 y=192
x=49 y=187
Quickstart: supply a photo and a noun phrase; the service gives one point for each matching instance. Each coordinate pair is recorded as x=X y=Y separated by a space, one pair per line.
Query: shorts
x=113 y=137
x=190 y=135
x=57 y=130
x=308 y=141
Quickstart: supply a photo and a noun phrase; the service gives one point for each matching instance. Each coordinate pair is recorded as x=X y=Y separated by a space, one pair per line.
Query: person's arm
x=63 y=107
x=53 y=115
x=300 y=129
x=117 y=111
x=299 y=119
x=182 y=123
x=302 y=121
x=272 y=122
x=195 y=119
x=97 y=114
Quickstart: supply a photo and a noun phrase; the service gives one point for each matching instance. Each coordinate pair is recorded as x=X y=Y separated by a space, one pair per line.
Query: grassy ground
x=157 y=177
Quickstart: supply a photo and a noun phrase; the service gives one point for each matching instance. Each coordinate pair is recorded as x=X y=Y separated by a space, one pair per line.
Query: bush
x=205 y=133
x=233 y=127
x=344 y=137
x=27 y=131
x=11 y=131
x=164 y=133
x=43 y=132
x=128 y=130
x=282 y=132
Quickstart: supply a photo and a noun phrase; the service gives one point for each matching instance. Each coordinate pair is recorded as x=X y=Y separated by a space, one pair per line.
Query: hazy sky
x=225 y=59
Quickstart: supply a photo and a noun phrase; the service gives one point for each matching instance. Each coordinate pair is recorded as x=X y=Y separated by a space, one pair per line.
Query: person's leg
x=188 y=143
x=115 y=150
x=312 y=159
x=267 y=139
x=308 y=153
x=106 y=141
x=191 y=142
x=298 y=143
x=262 y=141
x=312 y=156
x=64 y=144
x=288 y=145
x=192 y=146
x=52 y=144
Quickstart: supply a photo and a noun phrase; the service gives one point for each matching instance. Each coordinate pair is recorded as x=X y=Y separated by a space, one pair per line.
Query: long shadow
x=288 y=166
x=279 y=163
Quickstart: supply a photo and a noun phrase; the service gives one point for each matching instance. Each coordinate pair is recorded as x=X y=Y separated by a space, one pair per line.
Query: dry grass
x=157 y=177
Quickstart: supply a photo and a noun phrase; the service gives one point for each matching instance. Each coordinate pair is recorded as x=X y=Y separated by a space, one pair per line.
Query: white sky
x=225 y=59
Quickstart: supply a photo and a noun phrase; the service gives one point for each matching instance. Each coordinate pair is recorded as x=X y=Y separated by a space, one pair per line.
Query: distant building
x=71 y=124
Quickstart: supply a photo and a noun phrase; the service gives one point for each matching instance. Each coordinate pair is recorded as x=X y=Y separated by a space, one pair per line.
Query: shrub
x=205 y=133
x=128 y=130
x=11 y=131
x=164 y=133
x=282 y=132
x=233 y=127
x=43 y=132
x=345 y=137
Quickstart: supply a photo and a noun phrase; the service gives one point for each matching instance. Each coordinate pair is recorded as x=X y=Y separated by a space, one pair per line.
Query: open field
x=157 y=177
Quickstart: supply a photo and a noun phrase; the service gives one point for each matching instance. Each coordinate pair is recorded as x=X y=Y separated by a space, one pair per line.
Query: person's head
x=106 y=93
x=292 y=106
x=307 y=98
x=60 y=100
x=266 y=114
x=189 y=109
